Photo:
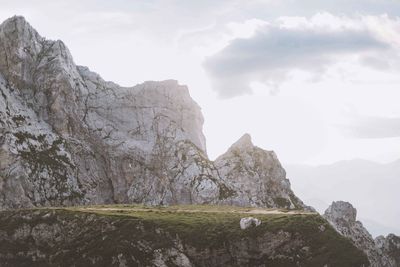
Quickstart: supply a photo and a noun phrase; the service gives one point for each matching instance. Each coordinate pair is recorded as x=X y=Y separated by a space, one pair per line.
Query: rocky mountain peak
x=69 y=137
x=42 y=71
x=256 y=176
x=17 y=25
x=20 y=45
x=243 y=143
x=341 y=210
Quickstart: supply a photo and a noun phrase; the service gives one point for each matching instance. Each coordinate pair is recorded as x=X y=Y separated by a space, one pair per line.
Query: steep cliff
x=69 y=137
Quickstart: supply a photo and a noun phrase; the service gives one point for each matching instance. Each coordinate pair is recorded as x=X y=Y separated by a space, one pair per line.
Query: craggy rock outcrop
x=255 y=176
x=390 y=246
x=69 y=137
x=70 y=238
x=381 y=252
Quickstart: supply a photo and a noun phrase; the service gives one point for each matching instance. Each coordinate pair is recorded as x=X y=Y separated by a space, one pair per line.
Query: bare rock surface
x=255 y=176
x=69 y=137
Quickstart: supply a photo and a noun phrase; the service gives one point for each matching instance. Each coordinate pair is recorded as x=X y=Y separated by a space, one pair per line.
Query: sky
x=372 y=188
x=315 y=81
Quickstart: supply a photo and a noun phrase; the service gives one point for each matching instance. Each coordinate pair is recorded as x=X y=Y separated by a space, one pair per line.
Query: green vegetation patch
x=46 y=157
x=305 y=239
x=212 y=227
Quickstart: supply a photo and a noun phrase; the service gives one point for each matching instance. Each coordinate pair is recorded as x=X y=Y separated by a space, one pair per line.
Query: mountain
x=371 y=187
x=381 y=252
x=70 y=138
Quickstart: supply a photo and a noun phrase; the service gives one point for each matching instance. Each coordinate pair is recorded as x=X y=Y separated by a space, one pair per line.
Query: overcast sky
x=317 y=82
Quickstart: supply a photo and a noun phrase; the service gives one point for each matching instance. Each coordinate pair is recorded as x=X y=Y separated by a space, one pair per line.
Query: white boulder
x=249 y=222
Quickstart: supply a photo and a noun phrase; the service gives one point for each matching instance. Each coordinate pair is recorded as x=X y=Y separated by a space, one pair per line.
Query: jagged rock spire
x=244 y=142
x=20 y=45
x=341 y=210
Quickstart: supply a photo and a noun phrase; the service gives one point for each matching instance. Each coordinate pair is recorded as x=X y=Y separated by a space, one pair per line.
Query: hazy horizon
x=371 y=187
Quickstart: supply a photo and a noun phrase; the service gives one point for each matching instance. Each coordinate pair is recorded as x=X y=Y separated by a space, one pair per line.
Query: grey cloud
x=372 y=127
x=273 y=52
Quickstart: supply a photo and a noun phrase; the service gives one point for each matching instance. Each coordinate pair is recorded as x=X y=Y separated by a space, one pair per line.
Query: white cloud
x=298 y=43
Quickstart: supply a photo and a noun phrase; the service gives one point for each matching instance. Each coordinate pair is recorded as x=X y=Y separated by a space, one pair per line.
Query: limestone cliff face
x=69 y=137
x=35 y=166
x=381 y=252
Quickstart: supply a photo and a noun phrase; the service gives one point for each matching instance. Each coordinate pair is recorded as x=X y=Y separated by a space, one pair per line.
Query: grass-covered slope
x=173 y=236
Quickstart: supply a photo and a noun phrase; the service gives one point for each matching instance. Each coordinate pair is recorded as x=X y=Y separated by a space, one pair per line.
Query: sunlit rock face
x=255 y=177
x=68 y=137
x=381 y=252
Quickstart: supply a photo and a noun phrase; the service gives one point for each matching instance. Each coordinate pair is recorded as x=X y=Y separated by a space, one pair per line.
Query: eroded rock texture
x=255 y=177
x=69 y=137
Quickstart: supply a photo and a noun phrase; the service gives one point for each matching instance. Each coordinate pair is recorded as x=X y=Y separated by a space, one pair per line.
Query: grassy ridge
x=108 y=230
x=205 y=226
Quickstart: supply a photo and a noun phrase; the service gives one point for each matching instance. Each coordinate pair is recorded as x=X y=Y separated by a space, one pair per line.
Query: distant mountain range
x=371 y=187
